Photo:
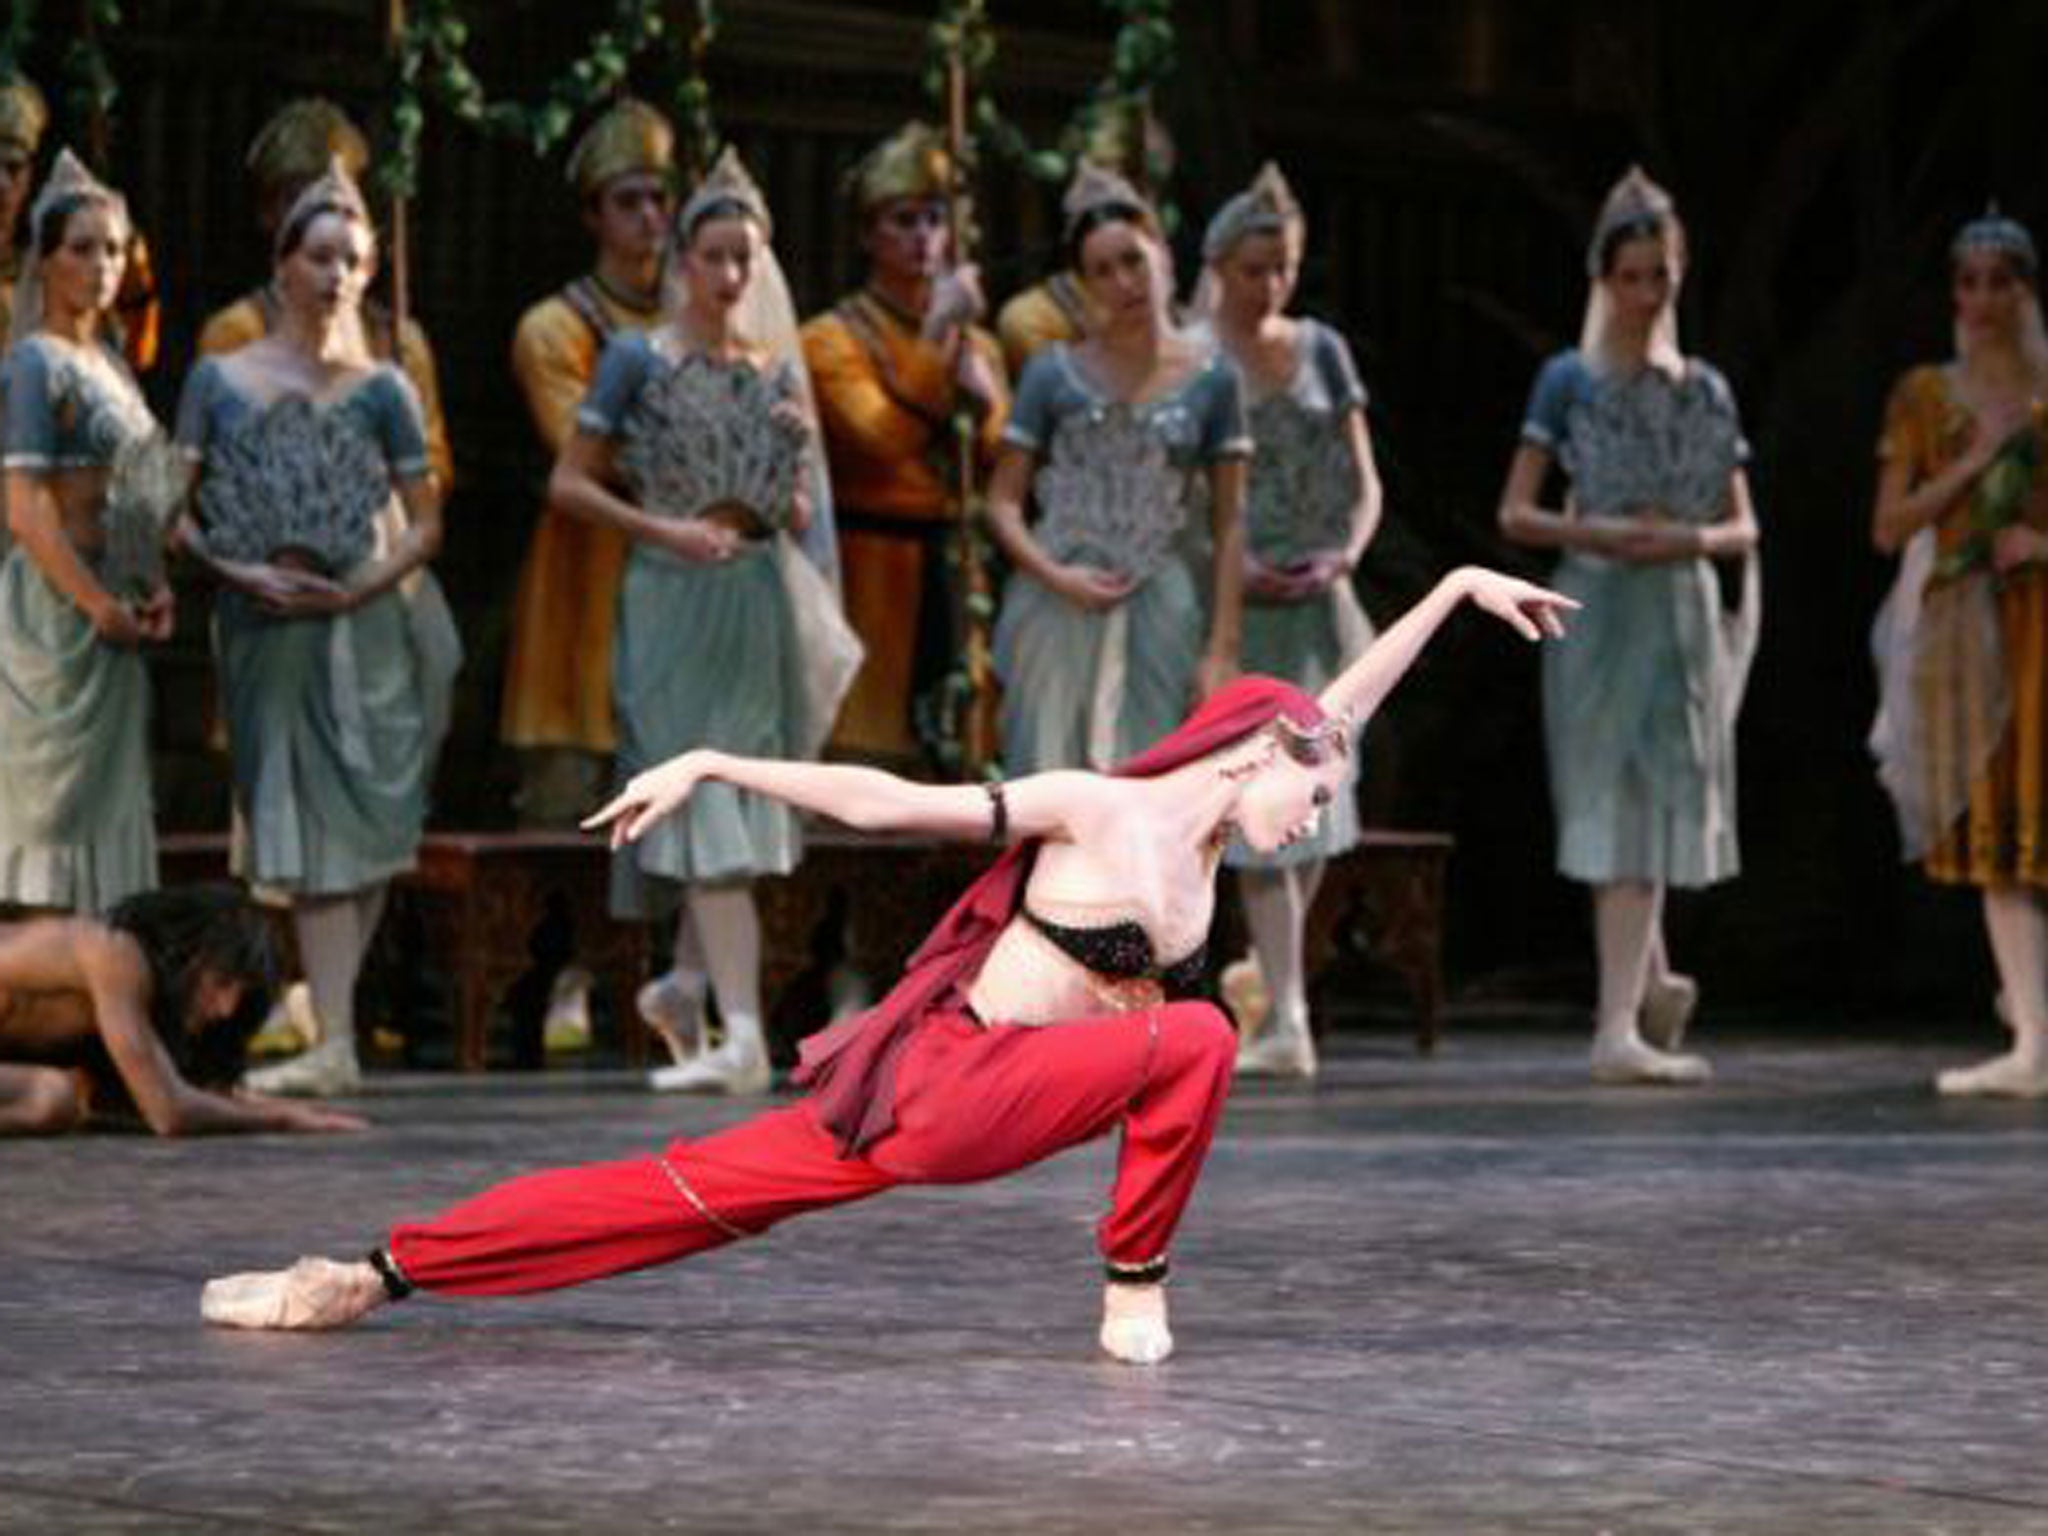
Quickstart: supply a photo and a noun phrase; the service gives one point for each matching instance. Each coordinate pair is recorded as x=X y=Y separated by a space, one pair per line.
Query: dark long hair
x=194 y=931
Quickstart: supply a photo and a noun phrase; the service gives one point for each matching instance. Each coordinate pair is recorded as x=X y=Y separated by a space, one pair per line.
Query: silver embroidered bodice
x=294 y=476
x=1303 y=485
x=1646 y=442
x=702 y=434
x=98 y=405
x=1109 y=493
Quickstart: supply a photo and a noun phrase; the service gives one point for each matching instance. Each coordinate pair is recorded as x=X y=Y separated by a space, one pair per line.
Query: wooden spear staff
x=977 y=712
x=400 y=255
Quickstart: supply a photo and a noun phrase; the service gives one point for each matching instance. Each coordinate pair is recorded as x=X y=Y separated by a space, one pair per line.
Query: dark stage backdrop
x=1450 y=153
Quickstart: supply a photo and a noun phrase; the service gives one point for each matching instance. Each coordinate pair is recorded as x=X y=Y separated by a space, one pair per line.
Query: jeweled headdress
x=1993 y=230
x=911 y=162
x=335 y=192
x=1266 y=207
x=23 y=114
x=1096 y=186
x=1633 y=203
x=726 y=184
x=300 y=142
x=70 y=179
x=1638 y=206
x=631 y=137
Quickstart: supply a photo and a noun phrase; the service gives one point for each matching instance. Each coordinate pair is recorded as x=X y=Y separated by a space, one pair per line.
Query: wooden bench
x=860 y=902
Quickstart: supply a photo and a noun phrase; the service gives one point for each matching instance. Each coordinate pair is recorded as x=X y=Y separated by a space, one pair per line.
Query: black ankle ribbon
x=396 y=1286
x=1149 y=1273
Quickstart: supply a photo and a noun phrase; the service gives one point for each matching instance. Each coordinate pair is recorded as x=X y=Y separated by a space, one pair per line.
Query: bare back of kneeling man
x=142 y=1014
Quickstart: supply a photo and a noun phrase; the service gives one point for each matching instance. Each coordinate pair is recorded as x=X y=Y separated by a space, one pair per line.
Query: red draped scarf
x=851 y=1066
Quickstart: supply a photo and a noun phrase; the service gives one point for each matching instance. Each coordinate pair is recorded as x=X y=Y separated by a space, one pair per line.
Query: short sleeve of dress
x=1546 y=423
x=1031 y=414
x=1226 y=433
x=195 y=406
x=1339 y=373
x=1904 y=439
x=1717 y=386
x=30 y=438
x=402 y=427
x=621 y=370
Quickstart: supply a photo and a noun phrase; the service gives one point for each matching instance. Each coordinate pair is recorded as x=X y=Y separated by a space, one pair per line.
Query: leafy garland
x=1142 y=56
x=90 y=89
x=430 y=62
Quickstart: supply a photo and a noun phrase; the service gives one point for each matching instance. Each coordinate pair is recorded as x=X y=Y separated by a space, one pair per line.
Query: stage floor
x=1469 y=1294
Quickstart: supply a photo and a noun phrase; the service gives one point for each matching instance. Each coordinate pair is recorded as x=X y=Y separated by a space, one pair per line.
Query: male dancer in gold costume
x=23 y=116
x=891 y=364
x=557 y=709
x=289 y=153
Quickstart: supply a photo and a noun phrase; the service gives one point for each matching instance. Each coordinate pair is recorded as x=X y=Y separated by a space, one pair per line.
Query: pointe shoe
x=1667 y=1010
x=674 y=1010
x=1285 y=1051
x=290 y=1027
x=1134 y=1324
x=567 y=1026
x=731 y=1069
x=1631 y=1061
x=320 y=1073
x=313 y=1294
x=1243 y=987
x=2011 y=1076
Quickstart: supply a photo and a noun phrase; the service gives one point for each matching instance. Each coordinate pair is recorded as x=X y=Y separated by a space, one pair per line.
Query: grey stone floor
x=1469 y=1294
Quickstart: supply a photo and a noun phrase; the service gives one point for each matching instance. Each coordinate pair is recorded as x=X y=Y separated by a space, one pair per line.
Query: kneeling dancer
x=1047 y=1007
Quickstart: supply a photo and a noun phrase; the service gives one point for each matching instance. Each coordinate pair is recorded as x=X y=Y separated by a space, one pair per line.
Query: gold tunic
x=1054 y=310
x=558 y=669
x=2003 y=836
x=885 y=399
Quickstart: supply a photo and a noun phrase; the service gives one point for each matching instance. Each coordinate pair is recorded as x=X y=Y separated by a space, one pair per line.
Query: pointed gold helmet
x=300 y=142
x=630 y=137
x=911 y=162
x=23 y=114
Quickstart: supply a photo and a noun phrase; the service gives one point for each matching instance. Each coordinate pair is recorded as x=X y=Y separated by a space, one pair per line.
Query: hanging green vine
x=21 y=26
x=1142 y=56
x=431 y=65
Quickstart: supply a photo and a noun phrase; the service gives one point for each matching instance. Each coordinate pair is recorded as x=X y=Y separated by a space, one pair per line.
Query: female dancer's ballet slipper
x=1134 y=1324
x=313 y=1294
x=1667 y=1010
x=2011 y=1076
x=1634 y=1062
x=674 y=1010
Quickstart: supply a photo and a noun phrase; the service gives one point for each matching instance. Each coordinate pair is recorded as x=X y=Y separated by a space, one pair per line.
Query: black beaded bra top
x=1123 y=951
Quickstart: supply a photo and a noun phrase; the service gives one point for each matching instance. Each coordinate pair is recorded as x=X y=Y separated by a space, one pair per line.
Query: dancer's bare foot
x=312 y=1294
x=1134 y=1323
x=1667 y=1009
x=1631 y=1061
x=2015 y=1075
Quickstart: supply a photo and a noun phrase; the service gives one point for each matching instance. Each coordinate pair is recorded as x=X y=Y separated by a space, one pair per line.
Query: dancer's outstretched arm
x=867 y=799
x=1530 y=610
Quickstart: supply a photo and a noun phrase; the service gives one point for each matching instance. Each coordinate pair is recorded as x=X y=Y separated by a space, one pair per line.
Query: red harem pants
x=972 y=1102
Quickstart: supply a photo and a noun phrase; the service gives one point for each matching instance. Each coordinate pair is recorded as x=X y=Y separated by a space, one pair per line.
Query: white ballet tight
x=334 y=934
x=1276 y=903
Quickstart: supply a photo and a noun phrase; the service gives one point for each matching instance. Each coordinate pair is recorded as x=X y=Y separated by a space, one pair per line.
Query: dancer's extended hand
x=648 y=797
x=1531 y=611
